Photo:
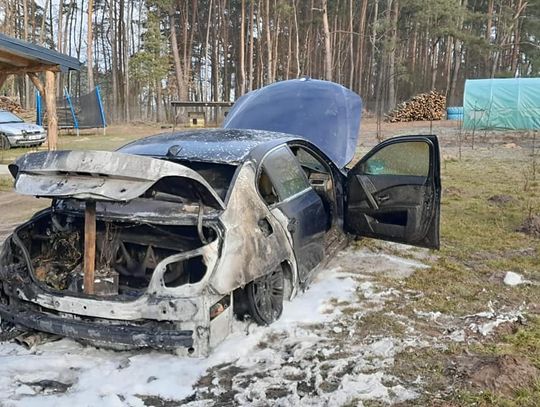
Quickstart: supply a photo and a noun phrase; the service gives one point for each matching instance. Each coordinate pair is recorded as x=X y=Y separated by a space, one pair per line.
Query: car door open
x=394 y=192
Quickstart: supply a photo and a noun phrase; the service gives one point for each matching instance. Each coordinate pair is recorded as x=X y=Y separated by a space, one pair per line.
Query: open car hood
x=102 y=176
x=322 y=112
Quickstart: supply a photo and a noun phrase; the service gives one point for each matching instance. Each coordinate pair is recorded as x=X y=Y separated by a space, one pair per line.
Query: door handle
x=369 y=189
x=383 y=198
x=291 y=226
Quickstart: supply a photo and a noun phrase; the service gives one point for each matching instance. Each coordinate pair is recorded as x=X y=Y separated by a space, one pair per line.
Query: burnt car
x=163 y=242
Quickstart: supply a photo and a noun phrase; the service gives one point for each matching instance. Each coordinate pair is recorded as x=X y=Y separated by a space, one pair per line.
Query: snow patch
x=101 y=377
x=513 y=279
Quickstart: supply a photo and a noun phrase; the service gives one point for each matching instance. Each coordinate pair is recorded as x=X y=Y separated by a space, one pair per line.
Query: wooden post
x=37 y=82
x=89 y=246
x=50 y=104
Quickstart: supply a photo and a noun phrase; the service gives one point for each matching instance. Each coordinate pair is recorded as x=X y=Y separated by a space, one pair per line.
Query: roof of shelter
x=16 y=54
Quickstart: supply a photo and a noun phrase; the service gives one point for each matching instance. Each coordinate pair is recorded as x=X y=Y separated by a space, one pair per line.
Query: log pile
x=425 y=106
x=7 y=103
x=10 y=105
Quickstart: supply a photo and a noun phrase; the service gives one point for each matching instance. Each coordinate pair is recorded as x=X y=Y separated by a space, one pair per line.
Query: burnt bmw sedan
x=163 y=242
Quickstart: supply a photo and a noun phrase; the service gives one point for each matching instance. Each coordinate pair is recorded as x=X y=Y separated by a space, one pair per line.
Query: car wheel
x=4 y=143
x=265 y=297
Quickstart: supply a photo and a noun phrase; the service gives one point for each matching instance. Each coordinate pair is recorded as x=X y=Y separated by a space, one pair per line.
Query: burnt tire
x=4 y=143
x=265 y=297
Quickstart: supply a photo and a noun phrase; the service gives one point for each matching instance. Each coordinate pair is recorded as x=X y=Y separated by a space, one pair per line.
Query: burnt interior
x=320 y=179
x=218 y=175
x=126 y=254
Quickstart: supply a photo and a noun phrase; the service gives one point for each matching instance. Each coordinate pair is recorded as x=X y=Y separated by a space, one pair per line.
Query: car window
x=266 y=188
x=306 y=159
x=284 y=174
x=407 y=158
x=7 y=117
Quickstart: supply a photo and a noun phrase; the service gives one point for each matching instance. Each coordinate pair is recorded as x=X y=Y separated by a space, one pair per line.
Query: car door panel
x=397 y=202
x=307 y=225
x=304 y=215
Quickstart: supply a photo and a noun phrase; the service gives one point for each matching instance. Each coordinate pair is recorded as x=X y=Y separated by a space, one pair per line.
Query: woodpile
x=10 y=105
x=425 y=106
x=7 y=103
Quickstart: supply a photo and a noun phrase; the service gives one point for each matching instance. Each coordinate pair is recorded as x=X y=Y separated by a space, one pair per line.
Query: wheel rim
x=268 y=296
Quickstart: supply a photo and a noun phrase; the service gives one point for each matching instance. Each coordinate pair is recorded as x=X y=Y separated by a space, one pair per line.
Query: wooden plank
x=37 y=82
x=14 y=59
x=89 y=246
x=50 y=105
x=33 y=68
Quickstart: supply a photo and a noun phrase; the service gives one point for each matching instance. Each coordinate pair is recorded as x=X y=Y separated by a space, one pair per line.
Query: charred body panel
x=100 y=175
x=251 y=249
x=231 y=242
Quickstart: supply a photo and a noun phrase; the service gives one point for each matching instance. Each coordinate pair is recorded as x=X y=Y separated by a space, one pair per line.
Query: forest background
x=146 y=53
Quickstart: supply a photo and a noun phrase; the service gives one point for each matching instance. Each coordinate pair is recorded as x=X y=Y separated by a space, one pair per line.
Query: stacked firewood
x=10 y=105
x=425 y=106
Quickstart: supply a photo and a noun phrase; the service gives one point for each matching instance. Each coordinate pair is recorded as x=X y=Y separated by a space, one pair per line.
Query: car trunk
x=115 y=217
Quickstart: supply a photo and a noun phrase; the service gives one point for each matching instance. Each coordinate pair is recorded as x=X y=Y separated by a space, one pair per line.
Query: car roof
x=228 y=146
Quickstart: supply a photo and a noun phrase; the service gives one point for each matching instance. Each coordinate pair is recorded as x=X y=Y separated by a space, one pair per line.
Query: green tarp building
x=502 y=104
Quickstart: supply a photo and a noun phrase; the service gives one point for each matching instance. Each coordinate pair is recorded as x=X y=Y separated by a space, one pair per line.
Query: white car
x=15 y=132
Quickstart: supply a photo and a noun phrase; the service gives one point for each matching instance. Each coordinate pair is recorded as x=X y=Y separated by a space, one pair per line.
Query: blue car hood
x=324 y=113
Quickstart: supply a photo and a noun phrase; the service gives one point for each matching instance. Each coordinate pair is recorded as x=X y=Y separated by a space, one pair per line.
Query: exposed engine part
x=126 y=254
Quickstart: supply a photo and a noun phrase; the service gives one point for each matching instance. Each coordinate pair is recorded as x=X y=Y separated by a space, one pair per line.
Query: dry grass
x=479 y=244
x=115 y=137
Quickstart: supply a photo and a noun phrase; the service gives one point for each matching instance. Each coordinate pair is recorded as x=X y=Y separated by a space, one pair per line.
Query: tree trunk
x=327 y=43
x=89 y=47
x=180 y=90
x=297 y=39
x=351 y=45
x=520 y=7
x=361 y=42
x=242 y=68
x=127 y=115
x=114 y=62
x=251 y=35
x=269 y=61
x=392 y=54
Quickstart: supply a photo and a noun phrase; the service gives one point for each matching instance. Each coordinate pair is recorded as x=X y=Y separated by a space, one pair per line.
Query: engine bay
x=126 y=254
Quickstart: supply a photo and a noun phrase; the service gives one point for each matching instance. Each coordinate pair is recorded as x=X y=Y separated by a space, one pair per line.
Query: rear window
x=285 y=173
x=219 y=176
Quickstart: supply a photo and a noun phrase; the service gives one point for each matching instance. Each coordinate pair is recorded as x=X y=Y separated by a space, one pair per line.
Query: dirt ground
x=15 y=208
x=415 y=328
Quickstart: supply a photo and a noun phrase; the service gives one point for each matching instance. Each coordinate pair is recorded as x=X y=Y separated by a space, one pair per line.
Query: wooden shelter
x=200 y=114
x=18 y=57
